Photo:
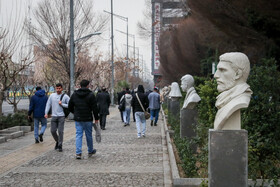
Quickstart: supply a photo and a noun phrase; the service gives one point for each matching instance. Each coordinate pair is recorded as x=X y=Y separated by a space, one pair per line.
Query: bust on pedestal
x=188 y=111
x=175 y=95
x=228 y=144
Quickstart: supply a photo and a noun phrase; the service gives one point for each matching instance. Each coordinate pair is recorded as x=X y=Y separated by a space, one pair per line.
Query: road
x=8 y=109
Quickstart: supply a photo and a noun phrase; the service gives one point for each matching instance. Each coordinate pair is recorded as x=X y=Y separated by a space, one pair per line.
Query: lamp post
x=73 y=62
x=131 y=35
x=124 y=19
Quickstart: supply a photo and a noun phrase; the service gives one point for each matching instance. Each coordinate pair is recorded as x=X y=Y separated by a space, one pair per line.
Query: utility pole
x=124 y=19
x=71 y=47
x=112 y=67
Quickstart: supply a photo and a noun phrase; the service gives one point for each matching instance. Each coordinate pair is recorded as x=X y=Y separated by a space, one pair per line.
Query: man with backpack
x=56 y=102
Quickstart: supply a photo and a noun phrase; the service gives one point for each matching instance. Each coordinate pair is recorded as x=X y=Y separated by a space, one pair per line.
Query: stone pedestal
x=188 y=119
x=168 y=105
x=228 y=158
x=175 y=108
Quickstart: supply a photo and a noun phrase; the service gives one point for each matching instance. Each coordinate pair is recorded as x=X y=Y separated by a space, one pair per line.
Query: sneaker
x=92 y=153
x=78 y=156
x=41 y=137
x=152 y=122
x=155 y=124
x=36 y=140
x=138 y=137
x=60 y=148
x=125 y=125
x=144 y=135
x=56 y=146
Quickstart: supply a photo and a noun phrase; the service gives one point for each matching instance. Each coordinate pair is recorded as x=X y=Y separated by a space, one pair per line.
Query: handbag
x=147 y=114
x=97 y=132
x=122 y=104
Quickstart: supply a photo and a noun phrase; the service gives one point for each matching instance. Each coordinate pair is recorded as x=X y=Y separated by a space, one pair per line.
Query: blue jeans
x=140 y=120
x=36 y=126
x=82 y=126
x=154 y=114
x=126 y=115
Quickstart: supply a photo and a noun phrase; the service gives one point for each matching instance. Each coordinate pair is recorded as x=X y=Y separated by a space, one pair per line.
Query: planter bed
x=177 y=181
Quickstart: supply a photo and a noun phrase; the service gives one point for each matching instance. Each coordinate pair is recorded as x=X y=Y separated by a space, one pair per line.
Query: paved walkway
x=121 y=159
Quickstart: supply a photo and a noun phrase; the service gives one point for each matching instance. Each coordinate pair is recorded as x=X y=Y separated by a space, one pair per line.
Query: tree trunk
x=1 y=101
x=15 y=107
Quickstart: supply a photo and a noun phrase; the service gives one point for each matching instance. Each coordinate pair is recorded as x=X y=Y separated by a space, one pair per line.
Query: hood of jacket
x=40 y=93
x=140 y=89
x=82 y=92
x=128 y=96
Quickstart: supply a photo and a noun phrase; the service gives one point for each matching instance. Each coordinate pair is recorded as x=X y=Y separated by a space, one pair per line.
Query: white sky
x=133 y=9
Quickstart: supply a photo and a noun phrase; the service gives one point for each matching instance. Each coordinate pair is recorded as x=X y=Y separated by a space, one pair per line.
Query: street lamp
x=72 y=63
x=124 y=19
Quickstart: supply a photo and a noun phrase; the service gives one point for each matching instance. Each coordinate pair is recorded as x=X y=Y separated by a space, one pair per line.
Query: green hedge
x=17 y=119
x=261 y=119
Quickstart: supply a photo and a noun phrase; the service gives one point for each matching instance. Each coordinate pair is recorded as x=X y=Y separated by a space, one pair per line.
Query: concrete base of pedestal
x=175 y=108
x=228 y=158
x=188 y=119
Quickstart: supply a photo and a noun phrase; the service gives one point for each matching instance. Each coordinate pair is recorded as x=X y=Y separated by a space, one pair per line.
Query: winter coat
x=143 y=98
x=38 y=104
x=103 y=102
x=154 y=100
x=83 y=104
x=128 y=100
x=120 y=94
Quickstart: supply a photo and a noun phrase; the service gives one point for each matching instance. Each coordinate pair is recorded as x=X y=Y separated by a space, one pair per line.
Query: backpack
x=122 y=104
x=65 y=110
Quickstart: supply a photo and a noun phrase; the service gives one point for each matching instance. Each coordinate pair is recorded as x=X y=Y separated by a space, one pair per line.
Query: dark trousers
x=133 y=112
x=57 y=124
x=103 y=120
x=121 y=116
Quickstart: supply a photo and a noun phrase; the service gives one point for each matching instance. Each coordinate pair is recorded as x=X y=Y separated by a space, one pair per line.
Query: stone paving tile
x=121 y=160
x=82 y=179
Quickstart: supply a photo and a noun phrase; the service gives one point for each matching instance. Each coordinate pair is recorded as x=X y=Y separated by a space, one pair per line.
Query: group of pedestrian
x=83 y=104
x=139 y=102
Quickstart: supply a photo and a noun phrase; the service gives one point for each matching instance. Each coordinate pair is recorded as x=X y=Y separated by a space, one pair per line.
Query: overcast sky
x=133 y=9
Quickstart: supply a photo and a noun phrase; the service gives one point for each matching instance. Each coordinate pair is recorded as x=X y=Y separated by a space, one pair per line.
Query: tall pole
x=71 y=47
x=112 y=39
x=126 y=77
x=134 y=56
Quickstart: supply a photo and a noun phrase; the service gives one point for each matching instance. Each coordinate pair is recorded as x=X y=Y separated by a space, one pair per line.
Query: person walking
x=126 y=113
x=140 y=96
x=154 y=105
x=37 y=107
x=55 y=102
x=103 y=102
x=120 y=94
x=83 y=104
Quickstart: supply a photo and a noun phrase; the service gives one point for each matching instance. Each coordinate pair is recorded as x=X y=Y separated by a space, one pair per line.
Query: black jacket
x=120 y=94
x=103 y=102
x=83 y=104
x=143 y=98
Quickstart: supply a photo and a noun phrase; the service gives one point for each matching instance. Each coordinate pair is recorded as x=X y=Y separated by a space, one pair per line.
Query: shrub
x=261 y=120
x=17 y=119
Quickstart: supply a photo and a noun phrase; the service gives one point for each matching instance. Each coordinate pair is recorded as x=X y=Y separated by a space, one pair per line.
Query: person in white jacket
x=126 y=113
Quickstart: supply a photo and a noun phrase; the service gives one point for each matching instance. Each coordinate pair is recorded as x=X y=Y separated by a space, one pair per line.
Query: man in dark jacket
x=139 y=113
x=83 y=104
x=103 y=102
x=37 y=107
x=120 y=94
